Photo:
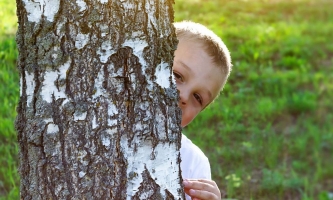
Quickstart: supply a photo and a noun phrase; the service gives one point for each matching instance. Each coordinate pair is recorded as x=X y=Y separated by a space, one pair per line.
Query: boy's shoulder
x=187 y=145
x=194 y=163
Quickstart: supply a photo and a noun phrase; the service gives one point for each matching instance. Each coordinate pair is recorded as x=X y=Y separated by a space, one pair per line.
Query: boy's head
x=201 y=67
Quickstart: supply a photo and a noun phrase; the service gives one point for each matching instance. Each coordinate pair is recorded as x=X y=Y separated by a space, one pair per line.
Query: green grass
x=270 y=134
x=9 y=94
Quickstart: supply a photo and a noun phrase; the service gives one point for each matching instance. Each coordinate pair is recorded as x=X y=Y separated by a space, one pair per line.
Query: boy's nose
x=182 y=102
x=183 y=98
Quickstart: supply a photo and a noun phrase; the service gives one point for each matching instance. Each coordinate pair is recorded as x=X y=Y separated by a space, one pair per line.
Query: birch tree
x=98 y=115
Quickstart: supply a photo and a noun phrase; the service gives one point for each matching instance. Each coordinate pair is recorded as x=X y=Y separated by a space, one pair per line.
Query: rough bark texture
x=98 y=116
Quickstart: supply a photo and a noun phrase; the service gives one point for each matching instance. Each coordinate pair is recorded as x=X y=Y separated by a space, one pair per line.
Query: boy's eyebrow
x=189 y=69
x=185 y=66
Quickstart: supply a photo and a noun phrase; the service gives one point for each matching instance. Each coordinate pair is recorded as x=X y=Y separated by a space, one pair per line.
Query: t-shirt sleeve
x=194 y=165
x=201 y=169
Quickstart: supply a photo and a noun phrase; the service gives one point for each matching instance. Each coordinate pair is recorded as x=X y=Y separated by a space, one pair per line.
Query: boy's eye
x=198 y=98
x=178 y=76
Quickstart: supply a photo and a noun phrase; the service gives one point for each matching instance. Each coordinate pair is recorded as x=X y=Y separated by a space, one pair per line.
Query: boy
x=201 y=67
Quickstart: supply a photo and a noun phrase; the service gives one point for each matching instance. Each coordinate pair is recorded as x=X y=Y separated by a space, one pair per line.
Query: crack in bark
x=57 y=119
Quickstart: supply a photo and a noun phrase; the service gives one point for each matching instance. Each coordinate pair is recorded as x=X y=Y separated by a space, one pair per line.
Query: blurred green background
x=269 y=135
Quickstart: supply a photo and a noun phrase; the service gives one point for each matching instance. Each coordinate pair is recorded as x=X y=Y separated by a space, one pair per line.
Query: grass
x=269 y=135
x=9 y=94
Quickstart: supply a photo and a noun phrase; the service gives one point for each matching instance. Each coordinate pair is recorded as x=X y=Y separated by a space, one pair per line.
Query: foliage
x=269 y=134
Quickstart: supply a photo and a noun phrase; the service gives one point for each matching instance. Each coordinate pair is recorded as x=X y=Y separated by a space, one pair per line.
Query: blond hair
x=211 y=43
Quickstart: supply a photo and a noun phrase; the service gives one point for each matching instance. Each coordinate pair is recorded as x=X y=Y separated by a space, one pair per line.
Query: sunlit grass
x=8 y=20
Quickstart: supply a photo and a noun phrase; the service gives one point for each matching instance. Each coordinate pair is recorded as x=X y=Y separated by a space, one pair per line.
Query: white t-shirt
x=194 y=164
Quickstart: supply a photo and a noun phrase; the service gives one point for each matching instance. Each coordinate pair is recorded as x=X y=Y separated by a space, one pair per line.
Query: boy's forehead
x=189 y=42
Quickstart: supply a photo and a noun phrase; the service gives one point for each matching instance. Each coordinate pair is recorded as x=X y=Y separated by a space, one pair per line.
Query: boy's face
x=198 y=79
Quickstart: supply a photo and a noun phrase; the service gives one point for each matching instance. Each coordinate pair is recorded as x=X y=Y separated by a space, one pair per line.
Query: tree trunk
x=98 y=115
